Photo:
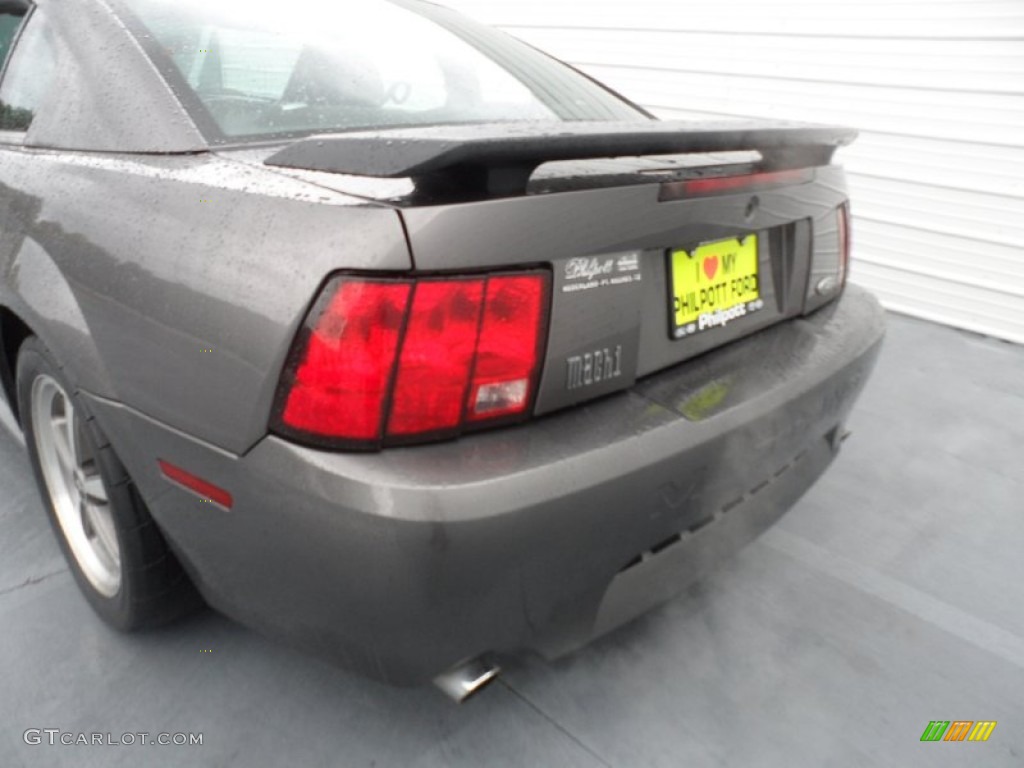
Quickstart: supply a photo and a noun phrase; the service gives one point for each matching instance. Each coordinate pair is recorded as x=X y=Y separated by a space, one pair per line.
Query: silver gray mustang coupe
x=385 y=333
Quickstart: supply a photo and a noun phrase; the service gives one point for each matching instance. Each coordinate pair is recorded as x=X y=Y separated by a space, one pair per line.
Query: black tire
x=153 y=588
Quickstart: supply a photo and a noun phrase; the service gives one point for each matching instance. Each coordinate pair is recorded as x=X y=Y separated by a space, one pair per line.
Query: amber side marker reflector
x=195 y=484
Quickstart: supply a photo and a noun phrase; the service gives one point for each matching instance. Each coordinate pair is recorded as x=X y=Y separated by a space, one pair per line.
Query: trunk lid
x=616 y=229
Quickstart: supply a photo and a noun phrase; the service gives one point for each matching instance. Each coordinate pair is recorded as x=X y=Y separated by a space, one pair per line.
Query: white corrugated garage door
x=936 y=87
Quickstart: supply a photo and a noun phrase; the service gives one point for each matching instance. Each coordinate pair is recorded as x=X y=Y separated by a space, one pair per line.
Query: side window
x=11 y=16
x=28 y=76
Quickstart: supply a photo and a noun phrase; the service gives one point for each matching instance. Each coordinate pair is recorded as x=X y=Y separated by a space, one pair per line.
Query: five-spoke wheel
x=76 y=487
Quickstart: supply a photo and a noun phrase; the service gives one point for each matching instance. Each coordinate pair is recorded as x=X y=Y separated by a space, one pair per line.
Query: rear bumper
x=403 y=563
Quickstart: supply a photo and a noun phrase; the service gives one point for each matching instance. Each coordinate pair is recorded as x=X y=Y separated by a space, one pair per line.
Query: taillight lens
x=340 y=384
x=844 y=242
x=508 y=352
x=437 y=357
x=398 y=361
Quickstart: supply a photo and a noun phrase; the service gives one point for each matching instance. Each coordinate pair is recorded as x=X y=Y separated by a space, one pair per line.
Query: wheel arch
x=13 y=331
x=45 y=305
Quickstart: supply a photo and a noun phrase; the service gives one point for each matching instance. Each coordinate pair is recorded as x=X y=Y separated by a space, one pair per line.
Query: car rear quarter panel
x=176 y=284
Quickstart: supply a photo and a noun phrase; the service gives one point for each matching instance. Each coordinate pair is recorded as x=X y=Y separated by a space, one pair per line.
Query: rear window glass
x=257 y=69
x=9 y=23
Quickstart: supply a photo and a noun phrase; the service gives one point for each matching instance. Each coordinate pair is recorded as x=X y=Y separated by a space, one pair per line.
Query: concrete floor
x=891 y=596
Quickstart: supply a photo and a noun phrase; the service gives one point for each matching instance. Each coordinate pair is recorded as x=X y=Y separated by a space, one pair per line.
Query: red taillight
x=437 y=357
x=402 y=360
x=508 y=354
x=342 y=380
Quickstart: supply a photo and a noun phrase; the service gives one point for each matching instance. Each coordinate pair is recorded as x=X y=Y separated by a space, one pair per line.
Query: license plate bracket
x=713 y=284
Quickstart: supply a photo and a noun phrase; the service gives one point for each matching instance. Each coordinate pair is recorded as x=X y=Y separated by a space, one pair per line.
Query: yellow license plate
x=713 y=285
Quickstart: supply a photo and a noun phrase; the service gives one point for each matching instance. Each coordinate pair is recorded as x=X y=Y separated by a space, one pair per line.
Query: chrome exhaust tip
x=464 y=680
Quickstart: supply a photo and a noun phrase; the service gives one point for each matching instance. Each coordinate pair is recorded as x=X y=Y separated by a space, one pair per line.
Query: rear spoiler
x=497 y=159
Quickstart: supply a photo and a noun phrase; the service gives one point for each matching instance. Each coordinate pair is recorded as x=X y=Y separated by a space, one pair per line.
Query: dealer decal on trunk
x=714 y=284
x=588 y=273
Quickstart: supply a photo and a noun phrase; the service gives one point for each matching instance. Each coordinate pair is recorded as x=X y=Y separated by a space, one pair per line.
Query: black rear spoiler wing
x=497 y=159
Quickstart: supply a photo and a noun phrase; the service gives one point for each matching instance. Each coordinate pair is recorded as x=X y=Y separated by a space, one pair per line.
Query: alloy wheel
x=77 y=491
